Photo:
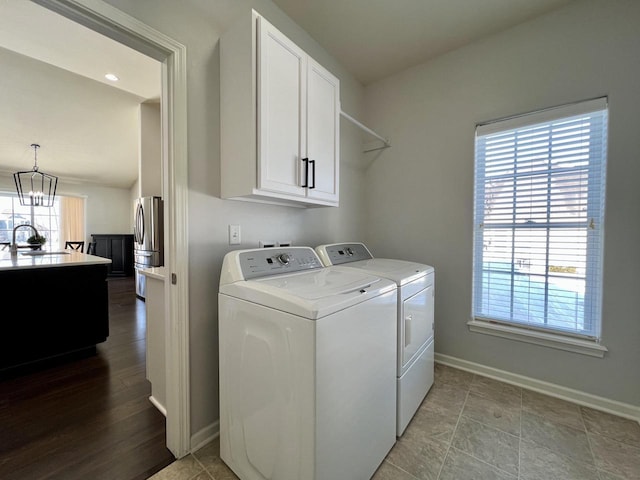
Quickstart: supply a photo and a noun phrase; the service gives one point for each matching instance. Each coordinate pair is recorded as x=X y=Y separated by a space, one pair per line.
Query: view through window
x=538 y=219
x=44 y=219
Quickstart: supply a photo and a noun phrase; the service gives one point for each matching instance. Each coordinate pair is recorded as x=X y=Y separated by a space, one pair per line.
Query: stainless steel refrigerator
x=148 y=238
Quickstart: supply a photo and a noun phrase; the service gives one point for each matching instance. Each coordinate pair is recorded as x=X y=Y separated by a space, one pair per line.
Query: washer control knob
x=284 y=258
x=349 y=251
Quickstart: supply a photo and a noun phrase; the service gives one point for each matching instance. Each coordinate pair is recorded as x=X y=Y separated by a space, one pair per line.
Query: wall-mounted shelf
x=368 y=147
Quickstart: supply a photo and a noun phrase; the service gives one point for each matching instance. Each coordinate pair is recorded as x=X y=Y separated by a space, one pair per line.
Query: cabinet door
x=323 y=143
x=119 y=248
x=281 y=110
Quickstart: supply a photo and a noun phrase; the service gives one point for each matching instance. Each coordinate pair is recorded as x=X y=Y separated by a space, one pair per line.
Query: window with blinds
x=538 y=220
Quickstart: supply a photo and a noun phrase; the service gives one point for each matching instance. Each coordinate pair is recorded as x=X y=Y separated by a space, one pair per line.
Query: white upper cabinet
x=323 y=117
x=282 y=97
x=279 y=120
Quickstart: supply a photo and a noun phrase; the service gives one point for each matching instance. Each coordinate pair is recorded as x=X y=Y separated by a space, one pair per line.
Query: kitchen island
x=53 y=304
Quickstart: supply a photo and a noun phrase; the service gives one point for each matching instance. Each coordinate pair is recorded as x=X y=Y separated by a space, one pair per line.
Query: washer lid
x=312 y=294
x=400 y=271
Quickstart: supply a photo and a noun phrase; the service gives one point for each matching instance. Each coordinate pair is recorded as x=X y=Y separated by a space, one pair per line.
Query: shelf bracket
x=368 y=147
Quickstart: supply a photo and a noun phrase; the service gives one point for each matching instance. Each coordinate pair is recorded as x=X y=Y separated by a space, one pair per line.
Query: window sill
x=576 y=345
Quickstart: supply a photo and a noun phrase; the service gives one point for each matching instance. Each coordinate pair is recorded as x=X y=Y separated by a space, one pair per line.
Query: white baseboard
x=205 y=435
x=581 y=398
x=158 y=405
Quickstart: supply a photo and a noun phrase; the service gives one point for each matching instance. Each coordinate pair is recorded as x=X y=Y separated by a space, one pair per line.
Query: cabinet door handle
x=139 y=228
x=313 y=172
x=306 y=172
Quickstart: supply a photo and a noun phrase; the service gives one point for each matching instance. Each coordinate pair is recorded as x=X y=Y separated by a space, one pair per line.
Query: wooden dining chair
x=72 y=245
x=91 y=248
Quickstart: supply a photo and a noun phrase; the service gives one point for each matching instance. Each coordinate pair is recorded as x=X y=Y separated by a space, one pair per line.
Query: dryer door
x=416 y=324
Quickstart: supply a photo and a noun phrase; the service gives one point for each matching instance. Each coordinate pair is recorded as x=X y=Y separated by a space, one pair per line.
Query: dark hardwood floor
x=87 y=418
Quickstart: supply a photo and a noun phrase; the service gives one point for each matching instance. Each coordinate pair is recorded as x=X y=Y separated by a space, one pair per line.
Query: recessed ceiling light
x=112 y=77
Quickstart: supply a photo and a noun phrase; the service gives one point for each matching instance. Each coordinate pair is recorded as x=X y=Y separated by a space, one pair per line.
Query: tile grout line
x=563 y=455
x=399 y=468
x=586 y=431
x=201 y=465
x=493 y=427
x=467 y=453
x=453 y=434
x=493 y=467
x=520 y=436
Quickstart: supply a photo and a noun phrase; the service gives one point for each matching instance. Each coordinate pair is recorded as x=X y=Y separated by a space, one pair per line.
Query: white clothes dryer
x=307 y=376
x=414 y=317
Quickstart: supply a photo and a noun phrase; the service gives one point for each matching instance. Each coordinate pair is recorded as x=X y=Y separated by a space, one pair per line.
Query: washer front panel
x=339 y=253
x=270 y=261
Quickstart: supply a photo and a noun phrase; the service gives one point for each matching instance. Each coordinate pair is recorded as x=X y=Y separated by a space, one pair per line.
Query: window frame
x=555 y=337
x=50 y=214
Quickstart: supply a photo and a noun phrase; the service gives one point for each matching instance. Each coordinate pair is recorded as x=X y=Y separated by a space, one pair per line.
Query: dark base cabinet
x=119 y=248
x=55 y=311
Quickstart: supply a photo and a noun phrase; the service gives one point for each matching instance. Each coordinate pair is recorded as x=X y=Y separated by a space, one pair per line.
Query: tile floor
x=472 y=427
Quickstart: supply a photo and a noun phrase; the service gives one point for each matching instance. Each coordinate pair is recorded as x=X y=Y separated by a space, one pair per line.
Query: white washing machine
x=307 y=375
x=415 y=349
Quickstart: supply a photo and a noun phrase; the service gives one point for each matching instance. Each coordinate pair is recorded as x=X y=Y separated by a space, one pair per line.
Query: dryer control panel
x=338 y=253
x=273 y=261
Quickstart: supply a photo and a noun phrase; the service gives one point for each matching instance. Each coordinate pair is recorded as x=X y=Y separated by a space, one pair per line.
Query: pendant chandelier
x=35 y=188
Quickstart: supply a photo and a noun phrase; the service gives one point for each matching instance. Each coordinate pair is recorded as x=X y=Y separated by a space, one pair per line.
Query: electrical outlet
x=285 y=243
x=265 y=244
x=234 y=235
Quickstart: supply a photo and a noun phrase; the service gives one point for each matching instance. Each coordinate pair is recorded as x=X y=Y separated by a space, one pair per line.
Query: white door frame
x=113 y=23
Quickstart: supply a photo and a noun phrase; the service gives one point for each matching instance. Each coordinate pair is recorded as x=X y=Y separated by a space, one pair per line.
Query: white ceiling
x=371 y=38
x=36 y=32
x=73 y=117
x=376 y=38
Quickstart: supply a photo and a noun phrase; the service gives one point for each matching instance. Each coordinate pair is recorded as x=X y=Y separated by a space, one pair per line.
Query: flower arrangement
x=36 y=240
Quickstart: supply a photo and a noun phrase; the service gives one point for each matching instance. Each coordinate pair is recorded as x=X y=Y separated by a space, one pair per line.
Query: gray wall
x=88 y=131
x=198 y=25
x=421 y=188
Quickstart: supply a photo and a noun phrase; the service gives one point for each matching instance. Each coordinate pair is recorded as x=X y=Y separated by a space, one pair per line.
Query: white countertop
x=159 y=273
x=20 y=261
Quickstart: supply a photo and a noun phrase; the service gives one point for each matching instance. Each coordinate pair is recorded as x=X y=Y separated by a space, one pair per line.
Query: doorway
x=129 y=31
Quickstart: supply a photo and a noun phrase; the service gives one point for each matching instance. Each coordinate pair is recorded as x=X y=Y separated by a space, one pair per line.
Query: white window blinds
x=538 y=219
